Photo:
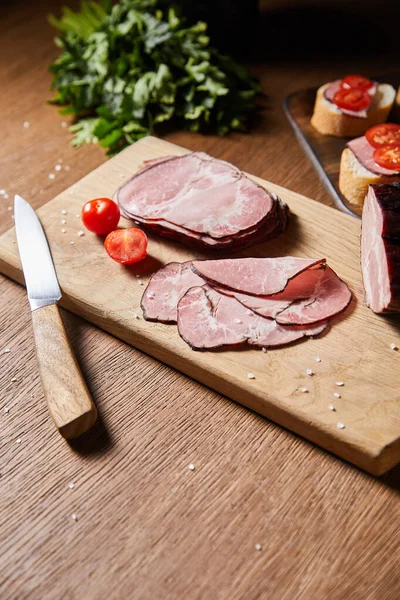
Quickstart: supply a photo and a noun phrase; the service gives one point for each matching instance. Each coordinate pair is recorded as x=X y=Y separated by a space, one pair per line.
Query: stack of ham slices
x=202 y=201
x=262 y=301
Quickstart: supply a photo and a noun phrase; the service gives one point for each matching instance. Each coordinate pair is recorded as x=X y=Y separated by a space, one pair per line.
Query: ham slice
x=364 y=153
x=314 y=295
x=206 y=201
x=380 y=247
x=209 y=320
x=165 y=289
x=335 y=86
x=255 y=276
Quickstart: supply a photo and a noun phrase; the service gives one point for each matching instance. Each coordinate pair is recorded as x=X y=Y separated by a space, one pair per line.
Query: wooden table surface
x=147 y=526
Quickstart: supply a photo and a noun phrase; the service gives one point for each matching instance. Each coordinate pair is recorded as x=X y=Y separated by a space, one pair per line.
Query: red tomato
x=352 y=99
x=387 y=134
x=388 y=157
x=100 y=215
x=356 y=81
x=126 y=246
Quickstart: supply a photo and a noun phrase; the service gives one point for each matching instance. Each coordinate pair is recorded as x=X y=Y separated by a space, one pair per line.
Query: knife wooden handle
x=64 y=387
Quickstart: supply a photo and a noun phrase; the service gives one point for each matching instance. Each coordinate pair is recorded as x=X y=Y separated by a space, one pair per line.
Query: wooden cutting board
x=355 y=351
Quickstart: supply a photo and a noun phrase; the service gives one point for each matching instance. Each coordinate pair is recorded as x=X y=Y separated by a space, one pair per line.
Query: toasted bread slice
x=329 y=120
x=354 y=178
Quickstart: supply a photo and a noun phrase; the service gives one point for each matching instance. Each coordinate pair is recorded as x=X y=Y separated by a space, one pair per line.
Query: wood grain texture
x=64 y=387
x=108 y=295
x=148 y=527
x=324 y=151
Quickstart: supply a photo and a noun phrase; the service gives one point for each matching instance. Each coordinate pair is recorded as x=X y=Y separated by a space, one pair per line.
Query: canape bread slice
x=328 y=119
x=354 y=178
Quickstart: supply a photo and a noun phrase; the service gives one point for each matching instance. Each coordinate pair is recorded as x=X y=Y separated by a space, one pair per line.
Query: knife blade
x=64 y=387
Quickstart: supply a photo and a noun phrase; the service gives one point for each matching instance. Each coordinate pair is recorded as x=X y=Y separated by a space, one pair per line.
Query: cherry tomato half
x=126 y=246
x=356 y=81
x=388 y=157
x=352 y=99
x=100 y=215
x=387 y=134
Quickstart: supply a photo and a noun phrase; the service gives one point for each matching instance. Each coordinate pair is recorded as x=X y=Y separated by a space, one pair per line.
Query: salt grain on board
x=263 y=349
x=63 y=230
x=340 y=425
x=6 y=351
x=63 y=212
x=136 y=316
x=331 y=407
x=303 y=389
x=63 y=221
x=58 y=168
x=2 y=192
x=80 y=233
x=251 y=375
x=140 y=282
x=340 y=383
x=309 y=372
x=72 y=243
x=191 y=467
x=64 y=124
x=26 y=124
x=77 y=216
x=6 y=409
x=71 y=485
x=13 y=379
x=337 y=395
x=317 y=359
x=52 y=176
x=9 y=207
x=18 y=440
x=393 y=346
x=74 y=517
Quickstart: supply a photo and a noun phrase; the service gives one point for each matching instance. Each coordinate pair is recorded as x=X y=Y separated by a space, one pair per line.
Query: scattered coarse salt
x=150 y=295
x=249 y=312
x=52 y=176
x=340 y=383
x=71 y=485
x=63 y=230
x=6 y=409
x=63 y=221
x=393 y=346
x=136 y=316
x=63 y=212
x=337 y=395
x=6 y=351
x=26 y=124
x=72 y=192
x=64 y=124
x=74 y=517
x=72 y=243
x=140 y=282
x=13 y=242
x=9 y=207
x=309 y=372
x=258 y=547
x=317 y=359
x=191 y=467
x=18 y=440
x=303 y=389
x=13 y=379
x=58 y=168
x=80 y=233
x=331 y=407
x=251 y=375
x=2 y=192
x=77 y=216
x=67 y=167
x=122 y=175
x=340 y=425
x=263 y=349
x=6 y=196
x=237 y=321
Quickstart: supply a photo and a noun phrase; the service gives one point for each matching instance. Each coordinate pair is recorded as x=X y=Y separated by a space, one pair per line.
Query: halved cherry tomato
x=352 y=99
x=387 y=134
x=100 y=215
x=126 y=246
x=388 y=157
x=356 y=81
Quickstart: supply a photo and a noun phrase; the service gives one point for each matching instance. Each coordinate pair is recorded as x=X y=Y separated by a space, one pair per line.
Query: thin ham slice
x=255 y=276
x=165 y=289
x=209 y=320
x=380 y=247
x=314 y=295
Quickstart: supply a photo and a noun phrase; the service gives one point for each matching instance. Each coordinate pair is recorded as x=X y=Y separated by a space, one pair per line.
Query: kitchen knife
x=64 y=387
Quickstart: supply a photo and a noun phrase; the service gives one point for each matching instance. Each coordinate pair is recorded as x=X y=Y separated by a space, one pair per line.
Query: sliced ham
x=209 y=320
x=314 y=295
x=209 y=202
x=165 y=289
x=256 y=276
x=335 y=86
x=380 y=247
x=364 y=153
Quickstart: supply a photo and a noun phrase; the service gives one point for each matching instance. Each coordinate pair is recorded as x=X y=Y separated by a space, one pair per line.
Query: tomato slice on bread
x=386 y=134
x=388 y=157
x=352 y=99
x=100 y=215
x=126 y=246
x=356 y=82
